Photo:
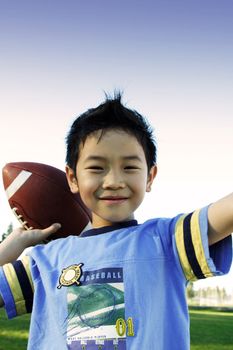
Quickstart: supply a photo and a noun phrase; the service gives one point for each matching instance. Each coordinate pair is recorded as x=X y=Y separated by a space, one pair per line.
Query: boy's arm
x=220 y=217
x=14 y=245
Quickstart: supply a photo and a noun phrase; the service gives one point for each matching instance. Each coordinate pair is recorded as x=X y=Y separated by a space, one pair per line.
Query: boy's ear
x=72 y=180
x=151 y=176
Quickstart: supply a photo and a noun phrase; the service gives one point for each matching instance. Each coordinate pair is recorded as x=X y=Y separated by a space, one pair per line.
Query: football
x=39 y=195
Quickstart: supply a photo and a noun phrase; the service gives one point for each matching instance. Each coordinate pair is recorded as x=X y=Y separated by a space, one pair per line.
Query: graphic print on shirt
x=96 y=311
x=70 y=275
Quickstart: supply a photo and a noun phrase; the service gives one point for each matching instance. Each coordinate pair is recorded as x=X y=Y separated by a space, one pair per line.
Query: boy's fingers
x=51 y=229
x=37 y=236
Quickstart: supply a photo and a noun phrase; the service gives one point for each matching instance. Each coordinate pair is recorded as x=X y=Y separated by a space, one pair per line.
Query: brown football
x=39 y=196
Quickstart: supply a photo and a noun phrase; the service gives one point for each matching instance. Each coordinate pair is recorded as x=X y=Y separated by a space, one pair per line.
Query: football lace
x=23 y=222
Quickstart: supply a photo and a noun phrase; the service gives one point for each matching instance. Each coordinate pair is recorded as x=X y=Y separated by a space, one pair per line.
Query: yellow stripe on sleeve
x=15 y=288
x=26 y=263
x=198 y=246
x=179 y=238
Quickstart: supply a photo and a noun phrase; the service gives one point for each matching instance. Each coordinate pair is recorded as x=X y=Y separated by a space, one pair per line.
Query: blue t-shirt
x=115 y=288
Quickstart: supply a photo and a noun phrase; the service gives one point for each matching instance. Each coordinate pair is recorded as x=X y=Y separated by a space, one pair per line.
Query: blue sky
x=173 y=59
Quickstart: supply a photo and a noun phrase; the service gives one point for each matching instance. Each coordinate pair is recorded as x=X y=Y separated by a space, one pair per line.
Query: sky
x=173 y=60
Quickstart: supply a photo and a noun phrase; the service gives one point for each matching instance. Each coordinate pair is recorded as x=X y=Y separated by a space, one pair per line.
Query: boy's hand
x=13 y=246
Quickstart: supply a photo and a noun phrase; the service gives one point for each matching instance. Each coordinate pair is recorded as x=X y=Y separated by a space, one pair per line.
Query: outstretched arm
x=14 y=245
x=220 y=216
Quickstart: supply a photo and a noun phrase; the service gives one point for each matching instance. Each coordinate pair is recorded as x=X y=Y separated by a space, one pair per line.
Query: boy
x=120 y=285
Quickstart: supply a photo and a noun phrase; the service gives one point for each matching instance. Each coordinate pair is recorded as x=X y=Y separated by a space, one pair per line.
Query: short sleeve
x=16 y=287
x=197 y=259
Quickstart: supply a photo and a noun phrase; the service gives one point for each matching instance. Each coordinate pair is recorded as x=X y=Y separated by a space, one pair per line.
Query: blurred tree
x=190 y=290
x=9 y=230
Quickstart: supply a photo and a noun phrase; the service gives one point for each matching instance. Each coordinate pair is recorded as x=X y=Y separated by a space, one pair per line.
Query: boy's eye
x=131 y=167
x=95 y=168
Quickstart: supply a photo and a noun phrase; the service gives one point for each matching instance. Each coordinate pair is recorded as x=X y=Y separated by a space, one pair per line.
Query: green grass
x=210 y=330
x=13 y=333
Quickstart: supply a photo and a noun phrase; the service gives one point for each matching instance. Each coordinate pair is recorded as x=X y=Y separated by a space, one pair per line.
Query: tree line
x=209 y=295
x=8 y=231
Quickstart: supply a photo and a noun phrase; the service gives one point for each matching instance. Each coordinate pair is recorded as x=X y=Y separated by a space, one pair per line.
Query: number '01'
x=125 y=327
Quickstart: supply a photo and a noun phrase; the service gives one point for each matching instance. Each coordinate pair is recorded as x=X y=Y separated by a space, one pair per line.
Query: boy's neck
x=109 y=228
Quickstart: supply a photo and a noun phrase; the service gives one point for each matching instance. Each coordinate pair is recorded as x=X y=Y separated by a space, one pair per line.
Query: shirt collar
x=105 y=229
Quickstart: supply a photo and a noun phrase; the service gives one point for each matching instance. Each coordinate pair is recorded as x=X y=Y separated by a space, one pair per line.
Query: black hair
x=111 y=114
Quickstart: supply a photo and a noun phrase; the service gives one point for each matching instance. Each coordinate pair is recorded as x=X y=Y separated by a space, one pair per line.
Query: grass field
x=210 y=330
x=14 y=333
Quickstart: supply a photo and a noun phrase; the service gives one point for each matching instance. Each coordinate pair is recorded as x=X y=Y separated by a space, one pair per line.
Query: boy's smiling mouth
x=113 y=199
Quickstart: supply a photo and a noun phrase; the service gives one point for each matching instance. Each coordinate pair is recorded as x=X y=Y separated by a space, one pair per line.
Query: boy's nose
x=113 y=180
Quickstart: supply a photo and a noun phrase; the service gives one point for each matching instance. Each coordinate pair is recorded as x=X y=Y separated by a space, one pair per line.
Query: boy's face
x=112 y=176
